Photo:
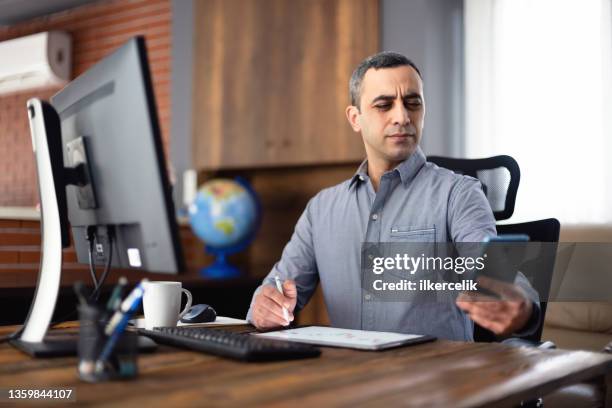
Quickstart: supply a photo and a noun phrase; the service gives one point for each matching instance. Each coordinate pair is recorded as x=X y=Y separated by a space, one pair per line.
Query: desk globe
x=225 y=215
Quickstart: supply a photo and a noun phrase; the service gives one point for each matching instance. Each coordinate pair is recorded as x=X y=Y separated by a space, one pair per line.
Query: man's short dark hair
x=385 y=59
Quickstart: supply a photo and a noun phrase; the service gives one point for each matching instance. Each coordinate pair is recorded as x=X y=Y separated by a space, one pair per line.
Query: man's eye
x=383 y=107
x=413 y=105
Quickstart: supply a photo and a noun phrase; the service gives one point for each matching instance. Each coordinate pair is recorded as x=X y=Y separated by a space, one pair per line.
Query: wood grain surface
x=442 y=373
x=271 y=80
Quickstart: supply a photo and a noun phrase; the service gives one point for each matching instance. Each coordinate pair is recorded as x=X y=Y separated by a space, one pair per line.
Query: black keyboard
x=230 y=344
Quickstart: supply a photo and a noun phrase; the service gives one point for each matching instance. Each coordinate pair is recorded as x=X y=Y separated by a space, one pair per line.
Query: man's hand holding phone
x=505 y=313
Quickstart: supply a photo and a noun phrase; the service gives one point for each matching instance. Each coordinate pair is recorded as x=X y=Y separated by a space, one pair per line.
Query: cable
x=109 y=259
x=91 y=237
x=98 y=283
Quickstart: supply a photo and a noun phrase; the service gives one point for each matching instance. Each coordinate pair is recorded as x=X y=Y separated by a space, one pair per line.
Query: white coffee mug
x=162 y=302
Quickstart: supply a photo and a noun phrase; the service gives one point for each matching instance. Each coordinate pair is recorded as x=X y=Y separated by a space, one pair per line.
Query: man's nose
x=400 y=115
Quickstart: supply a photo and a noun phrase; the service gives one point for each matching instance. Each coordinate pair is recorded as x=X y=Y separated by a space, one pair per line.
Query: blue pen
x=128 y=307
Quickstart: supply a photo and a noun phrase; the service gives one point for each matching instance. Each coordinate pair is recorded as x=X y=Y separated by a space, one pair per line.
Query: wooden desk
x=442 y=373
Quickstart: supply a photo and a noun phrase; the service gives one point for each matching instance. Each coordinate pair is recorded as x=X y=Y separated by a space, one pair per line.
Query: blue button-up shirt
x=416 y=201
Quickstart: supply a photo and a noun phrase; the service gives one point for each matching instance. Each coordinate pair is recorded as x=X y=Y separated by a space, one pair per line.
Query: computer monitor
x=100 y=165
x=111 y=108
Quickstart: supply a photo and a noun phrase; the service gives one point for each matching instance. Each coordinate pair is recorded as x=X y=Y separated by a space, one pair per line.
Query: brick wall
x=20 y=257
x=96 y=29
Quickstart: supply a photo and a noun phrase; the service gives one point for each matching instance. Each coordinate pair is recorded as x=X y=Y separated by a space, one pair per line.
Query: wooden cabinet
x=271 y=80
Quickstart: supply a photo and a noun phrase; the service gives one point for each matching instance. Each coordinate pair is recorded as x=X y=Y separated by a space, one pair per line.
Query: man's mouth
x=400 y=136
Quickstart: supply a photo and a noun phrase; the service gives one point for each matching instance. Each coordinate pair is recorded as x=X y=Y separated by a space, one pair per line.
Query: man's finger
x=504 y=289
x=489 y=321
x=476 y=297
x=482 y=310
x=495 y=327
x=289 y=289
x=271 y=292
x=274 y=308
x=490 y=307
x=498 y=309
x=488 y=315
x=265 y=320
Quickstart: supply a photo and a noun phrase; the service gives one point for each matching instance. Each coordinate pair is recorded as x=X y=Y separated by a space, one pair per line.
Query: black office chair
x=546 y=230
x=500 y=176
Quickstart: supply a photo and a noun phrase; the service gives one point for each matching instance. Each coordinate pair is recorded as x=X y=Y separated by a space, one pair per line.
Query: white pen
x=279 y=287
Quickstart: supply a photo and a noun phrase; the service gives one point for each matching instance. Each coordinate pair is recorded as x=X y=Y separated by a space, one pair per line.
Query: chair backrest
x=546 y=230
x=499 y=175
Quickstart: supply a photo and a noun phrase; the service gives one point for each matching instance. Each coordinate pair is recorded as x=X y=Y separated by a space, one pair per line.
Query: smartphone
x=508 y=238
x=504 y=255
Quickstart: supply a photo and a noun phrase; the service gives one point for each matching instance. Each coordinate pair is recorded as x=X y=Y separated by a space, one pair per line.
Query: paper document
x=219 y=321
x=358 y=339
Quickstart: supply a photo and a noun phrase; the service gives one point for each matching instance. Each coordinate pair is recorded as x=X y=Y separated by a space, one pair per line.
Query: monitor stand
x=46 y=135
x=64 y=345
x=50 y=347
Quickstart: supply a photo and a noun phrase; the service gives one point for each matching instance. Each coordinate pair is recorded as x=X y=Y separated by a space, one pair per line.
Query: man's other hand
x=269 y=304
x=504 y=316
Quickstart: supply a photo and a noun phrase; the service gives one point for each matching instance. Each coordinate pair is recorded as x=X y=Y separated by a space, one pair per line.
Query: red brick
x=97 y=29
x=29 y=257
x=17 y=238
x=9 y=256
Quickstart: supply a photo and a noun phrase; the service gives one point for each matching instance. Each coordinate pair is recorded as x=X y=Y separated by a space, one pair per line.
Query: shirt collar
x=406 y=169
x=361 y=174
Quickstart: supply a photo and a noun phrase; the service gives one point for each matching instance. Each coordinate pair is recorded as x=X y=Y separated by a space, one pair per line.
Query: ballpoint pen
x=279 y=287
x=131 y=301
x=117 y=325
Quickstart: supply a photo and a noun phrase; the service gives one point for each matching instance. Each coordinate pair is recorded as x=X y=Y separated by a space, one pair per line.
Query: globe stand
x=221 y=268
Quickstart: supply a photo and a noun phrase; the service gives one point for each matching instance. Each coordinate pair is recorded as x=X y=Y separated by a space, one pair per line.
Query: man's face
x=391 y=113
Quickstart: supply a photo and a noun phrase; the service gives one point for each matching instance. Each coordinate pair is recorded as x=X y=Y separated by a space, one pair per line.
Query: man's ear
x=352 y=114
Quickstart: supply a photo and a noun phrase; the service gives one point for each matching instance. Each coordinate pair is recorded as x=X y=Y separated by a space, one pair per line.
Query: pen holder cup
x=122 y=362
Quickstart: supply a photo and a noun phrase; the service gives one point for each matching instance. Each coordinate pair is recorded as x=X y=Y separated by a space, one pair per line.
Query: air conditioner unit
x=34 y=61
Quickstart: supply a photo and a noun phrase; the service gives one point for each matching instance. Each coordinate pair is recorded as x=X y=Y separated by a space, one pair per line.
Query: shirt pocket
x=413 y=233
x=413 y=241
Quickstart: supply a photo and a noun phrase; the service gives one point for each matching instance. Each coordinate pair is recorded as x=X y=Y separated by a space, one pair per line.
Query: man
x=395 y=196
